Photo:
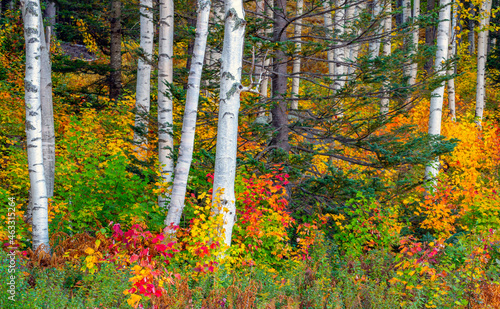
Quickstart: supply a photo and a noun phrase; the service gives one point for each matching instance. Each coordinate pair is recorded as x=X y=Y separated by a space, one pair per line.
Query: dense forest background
x=257 y=154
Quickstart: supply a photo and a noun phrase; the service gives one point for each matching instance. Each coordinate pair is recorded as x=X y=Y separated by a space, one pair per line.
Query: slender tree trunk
x=340 y=53
x=349 y=21
x=451 y=53
x=165 y=107
x=190 y=47
x=354 y=50
x=406 y=11
x=406 y=20
x=189 y=123
x=327 y=19
x=430 y=37
x=296 y=60
x=386 y=50
x=115 y=80
x=415 y=30
x=374 y=45
x=50 y=15
x=411 y=45
x=223 y=198
x=48 y=133
x=143 y=89
x=436 y=104
x=279 y=80
x=481 y=59
x=32 y=86
x=261 y=117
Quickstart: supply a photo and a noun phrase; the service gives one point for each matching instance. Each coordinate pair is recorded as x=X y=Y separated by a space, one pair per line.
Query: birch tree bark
x=354 y=49
x=415 y=30
x=50 y=15
x=374 y=45
x=436 y=104
x=406 y=11
x=339 y=53
x=327 y=19
x=223 y=199
x=115 y=78
x=451 y=53
x=32 y=32
x=48 y=134
x=165 y=107
x=143 y=89
x=386 y=50
x=261 y=116
x=412 y=45
x=189 y=123
x=482 y=42
x=296 y=60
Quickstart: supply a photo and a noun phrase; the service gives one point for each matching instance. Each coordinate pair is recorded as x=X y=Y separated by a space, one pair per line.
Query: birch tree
x=374 y=45
x=32 y=86
x=189 y=122
x=414 y=42
x=327 y=18
x=223 y=198
x=386 y=50
x=165 y=107
x=143 y=89
x=339 y=53
x=261 y=116
x=296 y=60
x=48 y=134
x=452 y=49
x=50 y=15
x=482 y=42
x=436 y=104
x=353 y=14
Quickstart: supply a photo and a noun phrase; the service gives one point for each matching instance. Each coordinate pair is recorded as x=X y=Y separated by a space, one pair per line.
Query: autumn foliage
x=380 y=238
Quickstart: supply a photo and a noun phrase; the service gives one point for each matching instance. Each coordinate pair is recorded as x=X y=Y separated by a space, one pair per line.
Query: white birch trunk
x=50 y=13
x=414 y=65
x=482 y=42
x=165 y=108
x=352 y=15
x=296 y=60
x=406 y=19
x=349 y=18
x=386 y=50
x=189 y=122
x=223 y=198
x=436 y=104
x=48 y=134
x=340 y=53
x=451 y=53
x=261 y=116
x=32 y=32
x=374 y=45
x=406 y=11
x=143 y=89
x=327 y=19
